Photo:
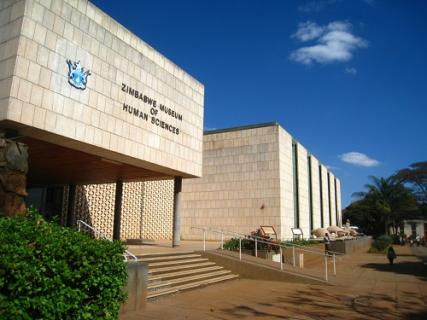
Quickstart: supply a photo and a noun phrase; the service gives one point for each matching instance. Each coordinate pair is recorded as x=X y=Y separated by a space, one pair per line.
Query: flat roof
x=247 y=127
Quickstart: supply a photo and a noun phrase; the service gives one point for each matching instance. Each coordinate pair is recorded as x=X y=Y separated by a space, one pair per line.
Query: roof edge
x=246 y=127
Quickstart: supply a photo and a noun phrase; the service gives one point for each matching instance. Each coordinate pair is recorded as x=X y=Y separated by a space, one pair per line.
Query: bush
x=380 y=244
x=51 y=272
x=395 y=238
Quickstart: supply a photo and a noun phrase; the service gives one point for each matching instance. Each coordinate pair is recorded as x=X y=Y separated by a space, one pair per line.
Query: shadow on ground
x=323 y=303
x=406 y=267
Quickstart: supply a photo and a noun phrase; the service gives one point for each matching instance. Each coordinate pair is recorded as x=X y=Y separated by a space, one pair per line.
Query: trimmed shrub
x=51 y=272
x=380 y=244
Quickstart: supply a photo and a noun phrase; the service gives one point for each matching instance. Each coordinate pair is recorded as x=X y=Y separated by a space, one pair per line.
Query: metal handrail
x=281 y=246
x=267 y=241
x=102 y=236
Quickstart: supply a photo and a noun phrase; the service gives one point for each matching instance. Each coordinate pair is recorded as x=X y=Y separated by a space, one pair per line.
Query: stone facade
x=13 y=169
x=249 y=180
x=37 y=37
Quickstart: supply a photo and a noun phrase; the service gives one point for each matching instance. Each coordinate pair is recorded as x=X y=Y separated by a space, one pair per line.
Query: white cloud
x=316 y=5
x=359 y=159
x=351 y=70
x=308 y=31
x=333 y=43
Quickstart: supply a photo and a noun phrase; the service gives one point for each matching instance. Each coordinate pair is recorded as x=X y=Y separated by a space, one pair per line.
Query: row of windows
x=310 y=192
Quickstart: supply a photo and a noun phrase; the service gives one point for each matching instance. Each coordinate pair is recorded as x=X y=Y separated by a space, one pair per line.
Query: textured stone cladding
x=315 y=183
x=248 y=181
x=325 y=197
x=332 y=197
x=287 y=209
x=303 y=192
x=10 y=25
x=339 y=202
x=240 y=188
x=36 y=39
x=147 y=208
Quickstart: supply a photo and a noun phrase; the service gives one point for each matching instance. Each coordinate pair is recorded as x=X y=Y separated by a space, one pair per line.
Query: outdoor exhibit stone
x=13 y=169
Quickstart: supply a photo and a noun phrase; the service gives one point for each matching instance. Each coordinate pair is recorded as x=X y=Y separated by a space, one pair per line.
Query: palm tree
x=389 y=200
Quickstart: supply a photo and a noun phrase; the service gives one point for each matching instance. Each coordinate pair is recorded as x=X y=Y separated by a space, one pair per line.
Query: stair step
x=161 y=293
x=154 y=286
x=182 y=273
x=174 y=262
x=180 y=267
x=191 y=285
x=162 y=258
x=159 y=254
x=198 y=277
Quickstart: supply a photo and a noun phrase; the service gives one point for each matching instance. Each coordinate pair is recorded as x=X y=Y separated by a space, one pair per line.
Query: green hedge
x=51 y=272
x=380 y=244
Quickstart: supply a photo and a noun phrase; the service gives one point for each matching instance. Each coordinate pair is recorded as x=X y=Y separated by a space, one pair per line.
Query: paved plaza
x=366 y=287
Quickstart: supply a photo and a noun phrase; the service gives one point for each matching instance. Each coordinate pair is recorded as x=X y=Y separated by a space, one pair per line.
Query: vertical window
x=329 y=199
x=322 y=222
x=310 y=193
x=296 y=187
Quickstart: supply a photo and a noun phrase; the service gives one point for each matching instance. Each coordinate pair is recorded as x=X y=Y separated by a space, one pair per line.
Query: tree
x=387 y=202
x=416 y=177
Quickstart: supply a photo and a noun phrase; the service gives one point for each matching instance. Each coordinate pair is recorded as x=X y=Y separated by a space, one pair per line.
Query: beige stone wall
x=11 y=12
x=325 y=197
x=333 y=207
x=239 y=190
x=304 y=209
x=93 y=120
x=315 y=192
x=147 y=208
x=287 y=210
x=338 y=184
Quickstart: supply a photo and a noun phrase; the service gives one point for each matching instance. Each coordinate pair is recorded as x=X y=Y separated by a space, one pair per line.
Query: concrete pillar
x=70 y=206
x=118 y=210
x=176 y=237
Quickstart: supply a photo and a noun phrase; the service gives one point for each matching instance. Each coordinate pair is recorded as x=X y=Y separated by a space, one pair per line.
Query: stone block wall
x=240 y=189
x=37 y=37
x=13 y=170
x=287 y=206
x=248 y=181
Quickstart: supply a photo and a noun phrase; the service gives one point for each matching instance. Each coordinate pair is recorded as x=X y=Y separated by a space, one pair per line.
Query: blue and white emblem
x=77 y=75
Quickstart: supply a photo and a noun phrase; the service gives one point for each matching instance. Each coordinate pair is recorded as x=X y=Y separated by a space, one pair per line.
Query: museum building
x=259 y=175
x=115 y=136
x=100 y=111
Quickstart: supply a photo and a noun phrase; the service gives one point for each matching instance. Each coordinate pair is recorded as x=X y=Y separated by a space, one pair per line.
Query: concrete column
x=176 y=237
x=70 y=206
x=118 y=210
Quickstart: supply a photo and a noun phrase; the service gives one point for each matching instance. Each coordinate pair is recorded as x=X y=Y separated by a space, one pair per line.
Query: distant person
x=391 y=255
x=327 y=241
x=418 y=240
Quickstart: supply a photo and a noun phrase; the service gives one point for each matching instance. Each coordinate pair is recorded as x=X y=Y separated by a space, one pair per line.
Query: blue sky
x=347 y=78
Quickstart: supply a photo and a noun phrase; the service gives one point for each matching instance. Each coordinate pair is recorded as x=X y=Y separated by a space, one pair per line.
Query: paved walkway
x=366 y=287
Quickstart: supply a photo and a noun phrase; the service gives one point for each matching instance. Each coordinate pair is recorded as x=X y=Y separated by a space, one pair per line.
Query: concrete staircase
x=171 y=272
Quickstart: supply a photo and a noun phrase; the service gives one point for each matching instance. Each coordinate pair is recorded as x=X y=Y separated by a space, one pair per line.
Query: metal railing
x=282 y=247
x=99 y=235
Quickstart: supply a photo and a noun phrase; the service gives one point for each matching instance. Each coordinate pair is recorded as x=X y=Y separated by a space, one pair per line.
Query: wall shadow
x=406 y=267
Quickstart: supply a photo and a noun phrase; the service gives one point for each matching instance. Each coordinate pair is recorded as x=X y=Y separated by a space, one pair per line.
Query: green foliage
x=395 y=238
x=381 y=244
x=51 y=272
x=384 y=206
x=416 y=177
x=299 y=242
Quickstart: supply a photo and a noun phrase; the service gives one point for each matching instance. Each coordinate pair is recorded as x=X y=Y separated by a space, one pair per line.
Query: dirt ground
x=366 y=287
